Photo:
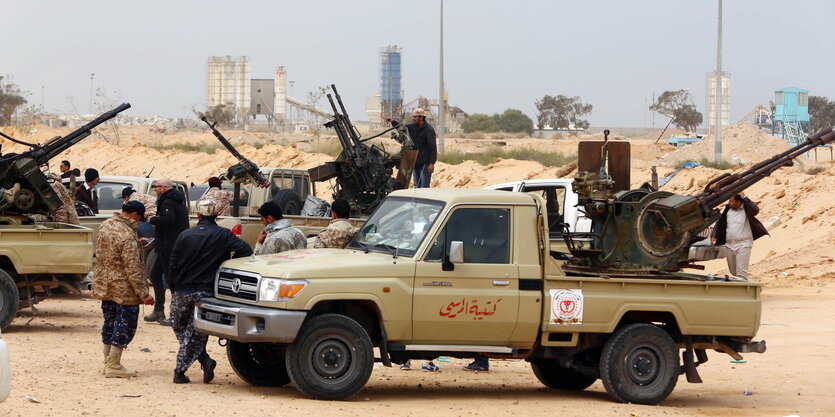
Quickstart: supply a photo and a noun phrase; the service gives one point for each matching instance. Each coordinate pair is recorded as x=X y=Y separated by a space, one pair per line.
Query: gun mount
x=645 y=230
x=242 y=172
x=363 y=172
x=25 y=188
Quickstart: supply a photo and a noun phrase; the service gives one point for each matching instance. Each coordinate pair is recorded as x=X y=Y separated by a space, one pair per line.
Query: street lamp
x=441 y=103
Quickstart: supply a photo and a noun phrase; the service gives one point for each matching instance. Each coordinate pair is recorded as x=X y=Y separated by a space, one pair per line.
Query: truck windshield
x=398 y=225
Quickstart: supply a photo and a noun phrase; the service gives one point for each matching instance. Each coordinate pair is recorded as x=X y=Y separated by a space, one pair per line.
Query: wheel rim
x=332 y=359
x=644 y=365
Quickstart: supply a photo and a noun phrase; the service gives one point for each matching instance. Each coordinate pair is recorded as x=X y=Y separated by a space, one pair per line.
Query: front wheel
x=9 y=299
x=639 y=364
x=331 y=358
x=552 y=375
x=259 y=364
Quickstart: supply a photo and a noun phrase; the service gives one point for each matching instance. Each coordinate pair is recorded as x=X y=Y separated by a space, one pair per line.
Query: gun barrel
x=223 y=141
x=43 y=154
x=729 y=185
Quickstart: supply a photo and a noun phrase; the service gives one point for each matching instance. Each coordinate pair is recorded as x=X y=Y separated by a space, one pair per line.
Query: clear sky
x=498 y=54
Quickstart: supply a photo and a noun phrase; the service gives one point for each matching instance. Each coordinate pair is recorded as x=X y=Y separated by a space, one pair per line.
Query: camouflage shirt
x=337 y=235
x=222 y=198
x=281 y=236
x=148 y=201
x=119 y=275
x=66 y=213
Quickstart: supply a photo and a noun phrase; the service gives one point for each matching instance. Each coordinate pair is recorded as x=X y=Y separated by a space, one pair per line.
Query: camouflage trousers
x=192 y=344
x=119 y=323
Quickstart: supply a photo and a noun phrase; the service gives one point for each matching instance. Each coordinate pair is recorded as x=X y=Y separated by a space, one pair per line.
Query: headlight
x=273 y=289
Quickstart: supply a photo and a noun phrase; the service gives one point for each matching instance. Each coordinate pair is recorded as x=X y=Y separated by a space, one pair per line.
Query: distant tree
x=821 y=112
x=11 y=97
x=514 y=121
x=221 y=114
x=673 y=104
x=478 y=122
x=562 y=112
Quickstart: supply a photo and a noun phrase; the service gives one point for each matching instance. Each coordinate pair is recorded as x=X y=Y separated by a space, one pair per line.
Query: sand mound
x=741 y=143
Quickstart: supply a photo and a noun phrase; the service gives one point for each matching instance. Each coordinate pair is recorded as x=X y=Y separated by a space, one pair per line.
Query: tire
x=550 y=374
x=639 y=364
x=290 y=202
x=9 y=299
x=331 y=358
x=259 y=364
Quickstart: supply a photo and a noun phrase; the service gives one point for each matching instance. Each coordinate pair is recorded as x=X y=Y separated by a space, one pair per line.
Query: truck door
x=479 y=298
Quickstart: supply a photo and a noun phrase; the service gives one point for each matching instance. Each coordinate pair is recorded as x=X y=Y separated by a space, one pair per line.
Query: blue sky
x=499 y=54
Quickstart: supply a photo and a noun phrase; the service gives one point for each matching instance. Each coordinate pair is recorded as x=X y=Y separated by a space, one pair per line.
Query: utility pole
x=92 y=74
x=717 y=148
x=441 y=101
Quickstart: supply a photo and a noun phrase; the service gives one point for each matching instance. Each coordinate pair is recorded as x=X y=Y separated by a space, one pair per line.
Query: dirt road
x=56 y=360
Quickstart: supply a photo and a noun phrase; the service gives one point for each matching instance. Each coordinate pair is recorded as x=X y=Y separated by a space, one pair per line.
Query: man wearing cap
x=170 y=221
x=120 y=283
x=150 y=203
x=222 y=197
x=195 y=259
x=87 y=192
x=423 y=136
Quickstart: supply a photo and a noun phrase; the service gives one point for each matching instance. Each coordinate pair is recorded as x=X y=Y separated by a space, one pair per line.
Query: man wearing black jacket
x=737 y=229
x=197 y=255
x=423 y=136
x=170 y=221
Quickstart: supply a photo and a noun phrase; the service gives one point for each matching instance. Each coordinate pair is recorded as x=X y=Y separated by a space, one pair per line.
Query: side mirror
x=455 y=256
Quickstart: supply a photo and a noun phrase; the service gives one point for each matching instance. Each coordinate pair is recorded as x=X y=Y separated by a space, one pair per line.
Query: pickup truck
x=27 y=275
x=463 y=273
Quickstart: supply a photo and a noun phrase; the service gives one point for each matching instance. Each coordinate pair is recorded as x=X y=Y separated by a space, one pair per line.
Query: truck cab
x=466 y=273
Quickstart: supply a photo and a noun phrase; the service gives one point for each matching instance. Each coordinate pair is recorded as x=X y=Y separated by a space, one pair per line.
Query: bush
x=330 y=147
x=493 y=153
x=476 y=135
x=209 y=148
x=815 y=170
x=724 y=165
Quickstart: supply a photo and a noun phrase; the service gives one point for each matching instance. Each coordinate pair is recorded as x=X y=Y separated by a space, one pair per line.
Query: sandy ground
x=56 y=360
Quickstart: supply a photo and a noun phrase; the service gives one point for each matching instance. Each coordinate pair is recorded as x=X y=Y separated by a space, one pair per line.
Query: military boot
x=106 y=351
x=208 y=364
x=114 y=365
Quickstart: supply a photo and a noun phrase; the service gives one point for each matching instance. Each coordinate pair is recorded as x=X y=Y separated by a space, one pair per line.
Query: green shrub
x=491 y=154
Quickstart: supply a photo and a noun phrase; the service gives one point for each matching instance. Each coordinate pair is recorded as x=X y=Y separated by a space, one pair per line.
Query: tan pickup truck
x=39 y=258
x=463 y=273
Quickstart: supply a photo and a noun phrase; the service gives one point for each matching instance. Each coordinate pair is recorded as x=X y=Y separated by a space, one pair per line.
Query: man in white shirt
x=737 y=229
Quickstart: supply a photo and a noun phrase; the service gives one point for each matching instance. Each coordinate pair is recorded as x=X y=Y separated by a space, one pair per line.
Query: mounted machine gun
x=364 y=172
x=25 y=188
x=242 y=172
x=644 y=230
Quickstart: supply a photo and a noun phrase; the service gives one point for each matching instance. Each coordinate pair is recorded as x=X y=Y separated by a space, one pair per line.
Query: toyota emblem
x=236 y=285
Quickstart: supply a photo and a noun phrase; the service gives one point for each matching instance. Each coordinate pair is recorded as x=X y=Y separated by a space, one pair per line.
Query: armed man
x=340 y=231
x=279 y=235
x=423 y=135
x=195 y=259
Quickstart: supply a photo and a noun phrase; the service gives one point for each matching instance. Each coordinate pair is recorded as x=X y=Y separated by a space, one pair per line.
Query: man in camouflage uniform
x=220 y=196
x=119 y=281
x=195 y=259
x=279 y=235
x=150 y=202
x=340 y=231
x=66 y=213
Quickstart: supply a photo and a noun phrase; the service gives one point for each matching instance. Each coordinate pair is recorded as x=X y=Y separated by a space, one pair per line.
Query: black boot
x=208 y=364
x=180 y=378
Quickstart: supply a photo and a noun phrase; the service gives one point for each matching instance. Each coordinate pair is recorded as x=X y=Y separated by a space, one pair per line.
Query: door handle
x=504 y=283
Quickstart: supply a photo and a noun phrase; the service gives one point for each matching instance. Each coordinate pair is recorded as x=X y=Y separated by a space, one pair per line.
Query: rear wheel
x=552 y=375
x=259 y=364
x=9 y=299
x=331 y=358
x=639 y=364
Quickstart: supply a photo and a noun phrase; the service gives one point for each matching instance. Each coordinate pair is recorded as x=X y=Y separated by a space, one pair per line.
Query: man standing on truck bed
x=737 y=229
x=423 y=136
x=66 y=213
x=340 y=231
x=119 y=281
x=279 y=235
x=87 y=192
x=195 y=259
x=170 y=221
x=221 y=197
x=65 y=169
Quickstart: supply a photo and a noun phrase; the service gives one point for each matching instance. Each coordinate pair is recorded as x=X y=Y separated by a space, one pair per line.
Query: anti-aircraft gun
x=641 y=231
x=243 y=172
x=25 y=188
x=364 y=172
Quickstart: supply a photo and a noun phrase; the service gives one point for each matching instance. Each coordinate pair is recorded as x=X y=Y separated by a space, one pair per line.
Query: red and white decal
x=566 y=307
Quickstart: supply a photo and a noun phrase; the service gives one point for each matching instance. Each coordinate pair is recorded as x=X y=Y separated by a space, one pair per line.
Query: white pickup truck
x=560 y=200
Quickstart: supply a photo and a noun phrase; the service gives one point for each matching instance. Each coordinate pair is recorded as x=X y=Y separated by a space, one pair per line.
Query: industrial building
x=228 y=83
x=710 y=120
x=791 y=115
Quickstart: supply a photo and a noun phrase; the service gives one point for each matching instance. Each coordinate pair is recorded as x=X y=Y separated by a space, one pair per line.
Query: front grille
x=248 y=288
